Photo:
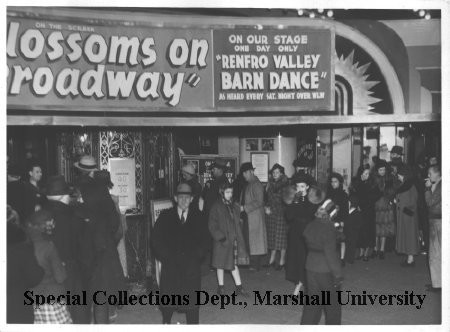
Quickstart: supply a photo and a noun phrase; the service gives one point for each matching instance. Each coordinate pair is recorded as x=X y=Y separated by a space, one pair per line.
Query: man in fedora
x=190 y=177
x=211 y=191
x=86 y=167
x=68 y=239
x=253 y=205
x=178 y=242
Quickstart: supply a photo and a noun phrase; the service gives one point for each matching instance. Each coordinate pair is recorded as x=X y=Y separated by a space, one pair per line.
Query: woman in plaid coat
x=275 y=219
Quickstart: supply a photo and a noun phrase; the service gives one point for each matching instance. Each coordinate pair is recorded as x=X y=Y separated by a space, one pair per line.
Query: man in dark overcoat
x=69 y=239
x=179 y=242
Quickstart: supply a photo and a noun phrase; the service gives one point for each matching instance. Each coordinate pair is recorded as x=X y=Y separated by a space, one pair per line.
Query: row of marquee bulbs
x=329 y=13
x=312 y=13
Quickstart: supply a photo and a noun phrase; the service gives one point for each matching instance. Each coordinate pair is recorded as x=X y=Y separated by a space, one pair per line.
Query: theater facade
x=145 y=91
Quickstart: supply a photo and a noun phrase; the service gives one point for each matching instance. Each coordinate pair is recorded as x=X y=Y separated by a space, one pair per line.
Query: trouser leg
x=311 y=313
x=193 y=315
x=435 y=252
x=333 y=312
x=167 y=315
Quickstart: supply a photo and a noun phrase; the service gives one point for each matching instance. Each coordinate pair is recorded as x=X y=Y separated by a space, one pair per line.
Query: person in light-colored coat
x=253 y=205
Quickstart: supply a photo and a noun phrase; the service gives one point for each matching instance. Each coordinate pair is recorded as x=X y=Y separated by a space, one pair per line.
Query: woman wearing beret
x=407 y=240
x=275 y=218
x=299 y=212
x=229 y=248
x=323 y=268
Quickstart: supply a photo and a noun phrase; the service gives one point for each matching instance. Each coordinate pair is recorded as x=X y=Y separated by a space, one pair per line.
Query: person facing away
x=40 y=226
x=179 y=241
x=323 y=268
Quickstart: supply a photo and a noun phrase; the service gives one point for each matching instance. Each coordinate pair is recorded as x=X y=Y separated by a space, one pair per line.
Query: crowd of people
x=309 y=232
x=63 y=239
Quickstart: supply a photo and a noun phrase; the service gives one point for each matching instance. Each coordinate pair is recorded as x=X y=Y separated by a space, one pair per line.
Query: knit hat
x=380 y=164
x=327 y=209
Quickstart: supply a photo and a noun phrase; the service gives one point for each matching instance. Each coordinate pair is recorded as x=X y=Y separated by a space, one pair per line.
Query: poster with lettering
x=202 y=164
x=108 y=65
x=123 y=177
x=274 y=69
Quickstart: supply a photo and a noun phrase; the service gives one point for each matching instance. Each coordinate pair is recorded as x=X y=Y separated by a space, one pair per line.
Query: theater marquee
x=74 y=64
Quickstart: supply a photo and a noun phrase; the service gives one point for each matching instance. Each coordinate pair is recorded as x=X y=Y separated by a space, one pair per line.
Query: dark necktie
x=183 y=219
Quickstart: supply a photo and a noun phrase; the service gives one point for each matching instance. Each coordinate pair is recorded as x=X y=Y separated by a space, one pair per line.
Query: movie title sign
x=106 y=65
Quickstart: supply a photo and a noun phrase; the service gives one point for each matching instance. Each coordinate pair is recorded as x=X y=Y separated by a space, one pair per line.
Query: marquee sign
x=73 y=64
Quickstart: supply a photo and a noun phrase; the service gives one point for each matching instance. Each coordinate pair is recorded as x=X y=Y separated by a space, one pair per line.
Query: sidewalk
x=374 y=277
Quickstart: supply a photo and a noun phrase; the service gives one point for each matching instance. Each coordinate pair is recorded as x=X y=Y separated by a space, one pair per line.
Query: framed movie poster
x=267 y=144
x=260 y=161
x=251 y=144
x=202 y=165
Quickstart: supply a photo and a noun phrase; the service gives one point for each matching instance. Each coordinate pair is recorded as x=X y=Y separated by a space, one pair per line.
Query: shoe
x=221 y=290
x=374 y=254
x=406 y=264
x=381 y=255
x=342 y=262
x=430 y=288
x=241 y=291
x=279 y=267
x=270 y=265
x=365 y=259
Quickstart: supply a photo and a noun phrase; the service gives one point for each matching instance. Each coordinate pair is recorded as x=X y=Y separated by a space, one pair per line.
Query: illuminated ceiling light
x=330 y=13
x=415 y=10
x=259 y=27
x=320 y=10
x=300 y=12
x=312 y=15
x=427 y=16
x=421 y=13
x=280 y=26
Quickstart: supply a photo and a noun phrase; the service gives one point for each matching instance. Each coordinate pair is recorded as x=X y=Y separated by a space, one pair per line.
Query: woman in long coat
x=275 y=215
x=407 y=241
x=229 y=248
x=299 y=212
x=363 y=187
x=384 y=207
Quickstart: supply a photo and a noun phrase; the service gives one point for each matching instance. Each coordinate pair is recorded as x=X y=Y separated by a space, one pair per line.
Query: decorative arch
x=387 y=70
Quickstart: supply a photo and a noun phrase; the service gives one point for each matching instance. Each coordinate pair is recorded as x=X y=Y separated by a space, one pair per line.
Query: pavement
x=383 y=277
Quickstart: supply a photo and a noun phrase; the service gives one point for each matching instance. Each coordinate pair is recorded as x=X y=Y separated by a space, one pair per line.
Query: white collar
x=181 y=211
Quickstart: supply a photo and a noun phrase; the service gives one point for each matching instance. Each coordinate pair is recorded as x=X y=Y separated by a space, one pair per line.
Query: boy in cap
x=178 y=241
x=40 y=227
x=211 y=191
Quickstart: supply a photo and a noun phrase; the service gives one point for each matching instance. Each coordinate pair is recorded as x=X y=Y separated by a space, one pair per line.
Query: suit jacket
x=180 y=249
x=320 y=237
x=434 y=202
